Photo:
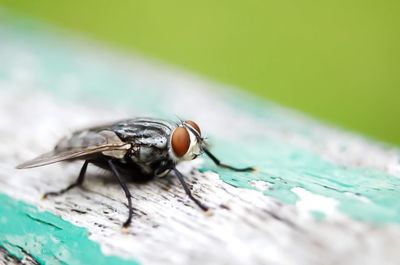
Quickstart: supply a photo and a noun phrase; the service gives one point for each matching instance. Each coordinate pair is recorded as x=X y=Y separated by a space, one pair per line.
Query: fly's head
x=186 y=142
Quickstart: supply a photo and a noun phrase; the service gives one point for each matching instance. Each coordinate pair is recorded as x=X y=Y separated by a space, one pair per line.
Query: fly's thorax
x=185 y=142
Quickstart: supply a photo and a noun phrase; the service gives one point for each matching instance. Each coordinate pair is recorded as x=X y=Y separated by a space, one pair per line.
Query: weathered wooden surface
x=45 y=96
x=7 y=259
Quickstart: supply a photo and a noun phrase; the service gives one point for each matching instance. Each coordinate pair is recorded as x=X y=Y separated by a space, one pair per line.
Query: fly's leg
x=218 y=163
x=187 y=190
x=126 y=190
x=78 y=182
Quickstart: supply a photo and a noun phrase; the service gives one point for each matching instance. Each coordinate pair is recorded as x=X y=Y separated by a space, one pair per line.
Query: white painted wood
x=245 y=227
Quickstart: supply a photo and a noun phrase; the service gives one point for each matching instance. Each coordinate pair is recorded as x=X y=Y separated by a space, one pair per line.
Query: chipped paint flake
x=260 y=185
x=309 y=202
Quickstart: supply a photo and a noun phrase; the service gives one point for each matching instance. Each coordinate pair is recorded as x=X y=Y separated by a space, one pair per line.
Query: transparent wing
x=81 y=144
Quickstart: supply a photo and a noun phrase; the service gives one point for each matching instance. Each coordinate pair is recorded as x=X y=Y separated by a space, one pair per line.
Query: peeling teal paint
x=285 y=167
x=47 y=238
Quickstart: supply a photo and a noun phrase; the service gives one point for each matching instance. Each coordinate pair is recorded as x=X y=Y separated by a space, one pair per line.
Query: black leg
x=187 y=190
x=218 y=163
x=78 y=182
x=127 y=193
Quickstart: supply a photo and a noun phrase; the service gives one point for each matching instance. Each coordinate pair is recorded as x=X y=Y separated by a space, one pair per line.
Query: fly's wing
x=80 y=145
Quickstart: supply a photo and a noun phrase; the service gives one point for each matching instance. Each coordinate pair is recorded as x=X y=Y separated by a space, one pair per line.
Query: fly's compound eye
x=194 y=126
x=180 y=141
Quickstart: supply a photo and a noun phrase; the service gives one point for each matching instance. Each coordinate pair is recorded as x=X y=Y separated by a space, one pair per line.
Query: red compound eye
x=194 y=126
x=180 y=141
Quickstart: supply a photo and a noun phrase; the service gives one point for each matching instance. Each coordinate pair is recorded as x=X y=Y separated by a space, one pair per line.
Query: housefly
x=142 y=148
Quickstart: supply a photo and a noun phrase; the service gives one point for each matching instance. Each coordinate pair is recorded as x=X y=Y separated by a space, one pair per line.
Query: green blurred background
x=336 y=60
